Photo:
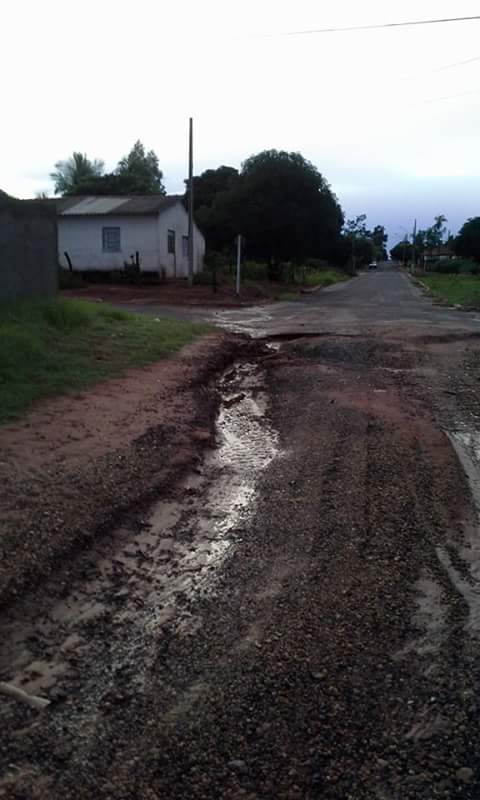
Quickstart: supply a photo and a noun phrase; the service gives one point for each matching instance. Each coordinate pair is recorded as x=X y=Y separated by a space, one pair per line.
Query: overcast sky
x=394 y=133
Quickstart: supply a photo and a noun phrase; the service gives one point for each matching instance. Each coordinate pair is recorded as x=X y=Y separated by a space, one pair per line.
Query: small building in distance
x=103 y=234
x=442 y=253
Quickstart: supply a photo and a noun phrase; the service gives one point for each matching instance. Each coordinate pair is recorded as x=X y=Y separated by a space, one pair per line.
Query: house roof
x=93 y=206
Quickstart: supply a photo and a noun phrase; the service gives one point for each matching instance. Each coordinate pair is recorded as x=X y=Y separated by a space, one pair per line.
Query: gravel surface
x=334 y=655
x=71 y=467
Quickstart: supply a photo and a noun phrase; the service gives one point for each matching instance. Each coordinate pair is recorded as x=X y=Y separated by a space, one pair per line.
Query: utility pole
x=190 y=204
x=239 y=259
x=413 y=246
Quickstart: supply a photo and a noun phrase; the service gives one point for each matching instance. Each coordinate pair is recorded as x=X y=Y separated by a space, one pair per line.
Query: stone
x=237 y=765
x=464 y=774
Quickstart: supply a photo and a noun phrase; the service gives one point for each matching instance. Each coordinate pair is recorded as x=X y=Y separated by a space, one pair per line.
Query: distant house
x=443 y=253
x=102 y=233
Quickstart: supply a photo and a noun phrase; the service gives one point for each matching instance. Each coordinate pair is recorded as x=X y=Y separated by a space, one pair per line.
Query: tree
x=359 y=240
x=214 y=206
x=467 y=243
x=285 y=208
x=140 y=171
x=112 y=184
x=211 y=183
x=380 y=239
x=434 y=236
x=403 y=251
x=70 y=175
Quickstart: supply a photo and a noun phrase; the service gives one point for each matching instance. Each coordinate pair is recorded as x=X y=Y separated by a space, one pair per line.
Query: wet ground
x=148 y=573
x=299 y=616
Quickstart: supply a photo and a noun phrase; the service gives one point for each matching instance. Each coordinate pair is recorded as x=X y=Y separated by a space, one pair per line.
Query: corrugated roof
x=119 y=205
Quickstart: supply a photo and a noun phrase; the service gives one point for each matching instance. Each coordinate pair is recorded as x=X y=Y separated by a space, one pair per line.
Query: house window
x=111 y=240
x=185 y=246
x=171 y=241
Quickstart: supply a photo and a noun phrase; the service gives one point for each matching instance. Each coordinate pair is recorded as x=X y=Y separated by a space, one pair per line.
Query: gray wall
x=28 y=249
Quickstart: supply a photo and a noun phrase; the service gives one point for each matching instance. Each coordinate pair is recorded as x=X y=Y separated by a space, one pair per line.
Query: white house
x=102 y=233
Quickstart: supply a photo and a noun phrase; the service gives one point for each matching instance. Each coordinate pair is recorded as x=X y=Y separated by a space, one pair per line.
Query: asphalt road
x=373 y=298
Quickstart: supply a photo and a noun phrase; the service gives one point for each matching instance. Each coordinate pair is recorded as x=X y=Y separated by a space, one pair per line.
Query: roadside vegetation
x=285 y=281
x=449 y=266
x=56 y=346
x=457 y=289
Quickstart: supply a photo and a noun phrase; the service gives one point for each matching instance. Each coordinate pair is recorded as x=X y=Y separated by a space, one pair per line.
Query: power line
x=444 y=67
x=372 y=27
x=457 y=64
x=452 y=96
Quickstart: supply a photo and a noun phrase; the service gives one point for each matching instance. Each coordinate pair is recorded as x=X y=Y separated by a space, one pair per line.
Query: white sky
x=368 y=108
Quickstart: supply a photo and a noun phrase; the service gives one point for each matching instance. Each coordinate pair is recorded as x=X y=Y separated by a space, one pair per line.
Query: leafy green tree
x=286 y=209
x=359 y=240
x=402 y=251
x=70 y=175
x=380 y=239
x=112 y=184
x=214 y=206
x=140 y=171
x=210 y=184
x=467 y=243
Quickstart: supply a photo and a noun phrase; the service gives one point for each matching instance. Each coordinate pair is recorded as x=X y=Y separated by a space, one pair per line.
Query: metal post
x=190 y=204
x=414 y=257
x=239 y=258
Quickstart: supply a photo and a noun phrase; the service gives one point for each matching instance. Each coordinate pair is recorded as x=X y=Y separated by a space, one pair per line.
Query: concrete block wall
x=28 y=249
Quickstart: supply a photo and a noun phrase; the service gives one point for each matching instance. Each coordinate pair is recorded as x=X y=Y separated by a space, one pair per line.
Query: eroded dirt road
x=299 y=617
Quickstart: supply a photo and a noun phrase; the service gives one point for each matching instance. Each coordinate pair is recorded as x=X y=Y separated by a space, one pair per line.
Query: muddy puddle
x=143 y=583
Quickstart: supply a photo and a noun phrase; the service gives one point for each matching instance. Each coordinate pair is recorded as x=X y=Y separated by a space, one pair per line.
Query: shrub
x=455 y=266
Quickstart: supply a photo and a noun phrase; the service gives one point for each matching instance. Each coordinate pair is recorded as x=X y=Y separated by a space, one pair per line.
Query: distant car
x=372 y=265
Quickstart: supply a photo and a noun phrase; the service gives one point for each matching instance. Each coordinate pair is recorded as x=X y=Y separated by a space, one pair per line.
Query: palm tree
x=72 y=173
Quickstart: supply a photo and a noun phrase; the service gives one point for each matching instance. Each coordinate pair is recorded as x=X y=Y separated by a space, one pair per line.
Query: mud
x=73 y=466
x=137 y=580
x=295 y=618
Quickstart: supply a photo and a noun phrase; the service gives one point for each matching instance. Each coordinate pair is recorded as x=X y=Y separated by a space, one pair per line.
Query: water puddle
x=138 y=585
x=462 y=562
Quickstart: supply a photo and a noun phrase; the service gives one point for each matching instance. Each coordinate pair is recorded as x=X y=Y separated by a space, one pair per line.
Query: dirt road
x=299 y=616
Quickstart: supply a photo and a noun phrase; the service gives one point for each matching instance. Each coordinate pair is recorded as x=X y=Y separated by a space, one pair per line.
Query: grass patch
x=325 y=277
x=286 y=296
x=461 y=290
x=53 y=347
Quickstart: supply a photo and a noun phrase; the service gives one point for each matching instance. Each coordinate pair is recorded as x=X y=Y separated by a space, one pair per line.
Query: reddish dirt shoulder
x=76 y=461
x=175 y=293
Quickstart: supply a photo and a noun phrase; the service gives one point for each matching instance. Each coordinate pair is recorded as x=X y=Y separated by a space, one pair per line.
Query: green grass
x=325 y=277
x=57 y=346
x=284 y=297
x=461 y=290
